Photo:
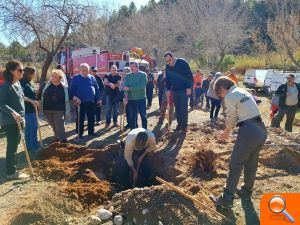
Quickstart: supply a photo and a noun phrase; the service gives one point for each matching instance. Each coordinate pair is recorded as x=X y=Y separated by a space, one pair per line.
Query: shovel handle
x=25 y=150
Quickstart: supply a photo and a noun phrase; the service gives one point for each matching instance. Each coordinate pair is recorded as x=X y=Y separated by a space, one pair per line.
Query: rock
x=95 y=220
x=104 y=214
x=118 y=220
x=160 y=223
x=145 y=211
x=111 y=209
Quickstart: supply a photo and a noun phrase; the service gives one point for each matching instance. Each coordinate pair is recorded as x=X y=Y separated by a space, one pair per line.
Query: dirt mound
x=203 y=164
x=83 y=172
x=153 y=204
x=285 y=159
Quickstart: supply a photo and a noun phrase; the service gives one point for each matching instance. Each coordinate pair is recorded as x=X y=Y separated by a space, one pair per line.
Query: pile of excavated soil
x=153 y=204
x=82 y=172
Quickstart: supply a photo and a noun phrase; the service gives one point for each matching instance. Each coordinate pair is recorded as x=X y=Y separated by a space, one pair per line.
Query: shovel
x=25 y=149
x=39 y=127
x=122 y=121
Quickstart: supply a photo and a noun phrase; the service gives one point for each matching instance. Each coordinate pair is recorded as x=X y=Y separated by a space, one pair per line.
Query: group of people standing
x=19 y=104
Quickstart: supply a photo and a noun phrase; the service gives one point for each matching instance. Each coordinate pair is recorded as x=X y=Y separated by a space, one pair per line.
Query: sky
x=117 y=3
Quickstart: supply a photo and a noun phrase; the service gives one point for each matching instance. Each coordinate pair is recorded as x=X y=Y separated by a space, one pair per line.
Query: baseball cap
x=290 y=76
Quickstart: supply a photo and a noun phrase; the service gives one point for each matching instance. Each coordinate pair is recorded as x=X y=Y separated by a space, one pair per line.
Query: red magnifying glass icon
x=277 y=205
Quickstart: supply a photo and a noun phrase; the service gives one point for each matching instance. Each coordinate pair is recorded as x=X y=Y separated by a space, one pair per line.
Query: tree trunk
x=45 y=68
x=222 y=56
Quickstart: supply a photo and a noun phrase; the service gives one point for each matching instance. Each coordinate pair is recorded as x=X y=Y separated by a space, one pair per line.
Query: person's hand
x=76 y=101
x=36 y=104
x=224 y=135
x=112 y=86
x=125 y=88
x=99 y=103
x=134 y=176
x=188 y=91
x=16 y=116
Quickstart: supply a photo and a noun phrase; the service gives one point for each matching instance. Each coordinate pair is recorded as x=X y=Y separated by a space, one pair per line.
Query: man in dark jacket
x=179 y=80
x=289 y=100
x=100 y=83
x=149 y=88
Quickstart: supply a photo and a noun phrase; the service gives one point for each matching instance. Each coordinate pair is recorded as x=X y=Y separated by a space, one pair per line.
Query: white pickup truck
x=255 y=78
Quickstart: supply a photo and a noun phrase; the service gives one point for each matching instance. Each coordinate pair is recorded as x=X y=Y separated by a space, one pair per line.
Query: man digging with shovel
x=138 y=143
x=241 y=110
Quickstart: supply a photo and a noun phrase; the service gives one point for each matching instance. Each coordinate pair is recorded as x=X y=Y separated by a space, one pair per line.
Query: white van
x=255 y=78
x=275 y=78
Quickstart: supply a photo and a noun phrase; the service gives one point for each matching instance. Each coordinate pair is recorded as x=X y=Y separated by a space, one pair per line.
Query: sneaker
x=98 y=123
x=18 y=176
x=222 y=201
x=244 y=193
x=106 y=126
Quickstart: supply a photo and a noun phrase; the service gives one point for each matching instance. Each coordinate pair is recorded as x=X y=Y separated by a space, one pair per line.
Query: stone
x=145 y=211
x=118 y=220
x=95 y=220
x=104 y=214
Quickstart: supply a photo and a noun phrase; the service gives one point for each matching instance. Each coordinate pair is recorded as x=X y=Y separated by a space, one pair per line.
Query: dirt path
x=197 y=163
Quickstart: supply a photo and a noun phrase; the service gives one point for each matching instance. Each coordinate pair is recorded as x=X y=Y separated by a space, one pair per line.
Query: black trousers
x=88 y=109
x=149 y=94
x=97 y=113
x=13 y=138
x=123 y=174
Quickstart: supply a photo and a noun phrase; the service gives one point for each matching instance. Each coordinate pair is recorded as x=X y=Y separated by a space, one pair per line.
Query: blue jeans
x=135 y=106
x=111 y=106
x=31 y=128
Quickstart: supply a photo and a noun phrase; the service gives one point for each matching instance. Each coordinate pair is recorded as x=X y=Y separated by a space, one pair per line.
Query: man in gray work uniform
x=289 y=100
x=241 y=110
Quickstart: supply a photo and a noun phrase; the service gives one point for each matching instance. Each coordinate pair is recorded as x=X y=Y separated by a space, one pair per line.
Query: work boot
x=244 y=193
x=223 y=201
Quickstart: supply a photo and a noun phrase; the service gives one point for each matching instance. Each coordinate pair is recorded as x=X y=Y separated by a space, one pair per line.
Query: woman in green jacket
x=12 y=111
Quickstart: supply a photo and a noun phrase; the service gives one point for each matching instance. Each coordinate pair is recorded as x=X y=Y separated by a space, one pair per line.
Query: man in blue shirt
x=84 y=92
x=179 y=80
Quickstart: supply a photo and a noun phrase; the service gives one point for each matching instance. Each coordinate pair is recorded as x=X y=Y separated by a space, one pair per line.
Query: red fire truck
x=71 y=58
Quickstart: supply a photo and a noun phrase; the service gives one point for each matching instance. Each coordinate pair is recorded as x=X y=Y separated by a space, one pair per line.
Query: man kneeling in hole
x=139 y=142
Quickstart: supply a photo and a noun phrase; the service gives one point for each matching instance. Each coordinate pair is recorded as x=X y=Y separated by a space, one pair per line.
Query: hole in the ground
x=90 y=175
